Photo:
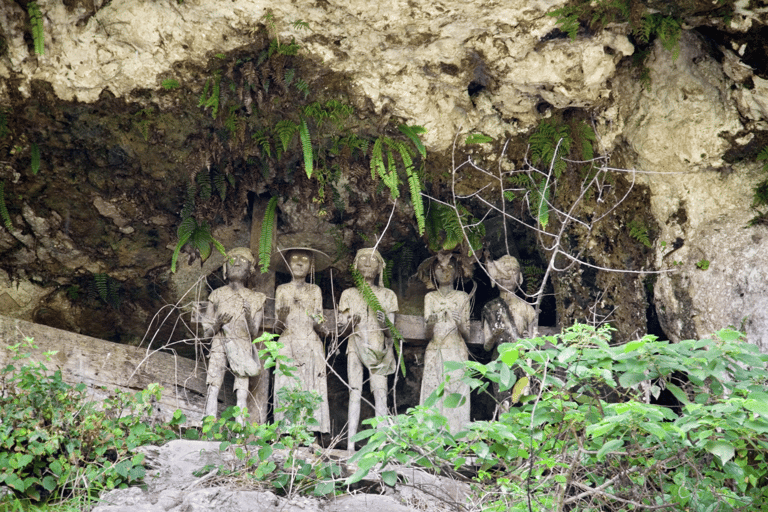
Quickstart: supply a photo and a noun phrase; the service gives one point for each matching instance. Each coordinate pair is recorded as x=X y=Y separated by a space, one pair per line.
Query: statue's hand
x=222 y=319
x=282 y=313
x=382 y=318
x=356 y=319
x=456 y=317
x=432 y=319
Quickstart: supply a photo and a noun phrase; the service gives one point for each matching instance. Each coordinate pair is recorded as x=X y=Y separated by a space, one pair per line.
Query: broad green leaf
x=566 y=354
x=49 y=483
x=722 y=449
x=324 y=488
x=389 y=478
x=756 y=406
x=506 y=378
x=454 y=400
x=610 y=446
x=629 y=379
x=681 y=395
x=509 y=357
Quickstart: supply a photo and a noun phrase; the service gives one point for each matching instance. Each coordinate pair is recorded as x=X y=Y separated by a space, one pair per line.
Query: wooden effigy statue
x=370 y=344
x=446 y=311
x=299 y=311
x=232 y=317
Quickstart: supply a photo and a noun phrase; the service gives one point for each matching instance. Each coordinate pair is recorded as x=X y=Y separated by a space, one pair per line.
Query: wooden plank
x=104 y=366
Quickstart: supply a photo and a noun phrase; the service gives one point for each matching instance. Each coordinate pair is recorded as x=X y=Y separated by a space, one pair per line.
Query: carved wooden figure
x=370 y=344
x=446 y=311
x=508 y=317
x=232 y=317
x=299 y=309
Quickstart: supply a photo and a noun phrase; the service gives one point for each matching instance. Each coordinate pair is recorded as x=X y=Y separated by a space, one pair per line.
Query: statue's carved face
x=445 y=272
x=300 y=263
x=238 y=267
x=507 y=272
x=368 y=266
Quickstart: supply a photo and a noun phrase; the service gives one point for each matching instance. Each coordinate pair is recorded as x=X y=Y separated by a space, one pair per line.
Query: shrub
x=54 y=443
x=591 y=438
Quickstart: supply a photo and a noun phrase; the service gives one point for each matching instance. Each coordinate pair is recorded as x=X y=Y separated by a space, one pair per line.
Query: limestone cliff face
x=118 y=149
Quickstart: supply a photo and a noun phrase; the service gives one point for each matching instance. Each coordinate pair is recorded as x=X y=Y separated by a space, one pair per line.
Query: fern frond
x=639 y=232
x=285 y=129
x=220 y=184
x=265 y=239
x=541 y=203
x=189 y=202
x=184 y=233
x=101 y=286
x=36 y=22
x=477 y=138
x=451 y=224
x=35 y=158
x=763 y=155
x=203 y=179
x=306 y=146
x=4 y=209
x=377 y=160
x=373 y=302
x=302 y=86
x=413 y=132
x=391 y=180
x=262 y=139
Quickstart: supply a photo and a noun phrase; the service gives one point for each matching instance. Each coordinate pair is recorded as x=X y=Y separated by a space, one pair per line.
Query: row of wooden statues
x=233 y=316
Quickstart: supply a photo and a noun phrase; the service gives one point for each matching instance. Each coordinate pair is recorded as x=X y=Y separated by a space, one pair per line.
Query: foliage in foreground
x=55 y=443
x=589 y=438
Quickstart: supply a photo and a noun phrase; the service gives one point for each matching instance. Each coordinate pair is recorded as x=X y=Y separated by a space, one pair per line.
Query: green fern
x=265 y=239
x=302 y=86
x=285 y=129
x=541 y=203
x=4 y=209
x=199 y=235
x=373 y=302
x=762 y=156
x=289 y=75
x=413 y=132
x=36 y=23
x=170 y=84
x=639 y=232
x=203 y=179
x=211 y=101
x=220 y=184
x=108 y=289
x=549 y=143
x=306 y=146
x=189 y=201
x=477 y=138
x=262 y=139
x=384 y=166
x=35 y=158
x=299 y=24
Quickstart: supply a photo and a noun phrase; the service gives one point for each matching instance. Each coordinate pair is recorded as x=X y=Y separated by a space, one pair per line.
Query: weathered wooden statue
x=508 y=317
x=446 y=311
x=370 y=343
x=232 y=317
x=299 y=310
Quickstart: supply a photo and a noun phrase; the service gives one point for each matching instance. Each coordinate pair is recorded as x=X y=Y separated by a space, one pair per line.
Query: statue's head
x=447 y=265
x=506 y=271
x=369 y=260
x=239 y=256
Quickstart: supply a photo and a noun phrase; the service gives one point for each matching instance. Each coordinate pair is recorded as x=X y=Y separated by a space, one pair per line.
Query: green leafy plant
x=384 y=166
x=211 y=94
x=4 y=209
x=170 y=84
x=639 y=232
x=54 y=443
x=35 y=158
x=108 y=289
x=760 y=196
x=199 y=236
x=265 y=239
x=590 y=438
x=477 y=138
x=36 y=26
x=702 y=264
x=445 y=228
